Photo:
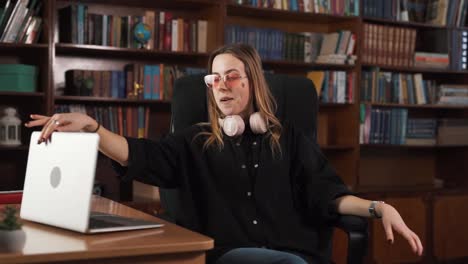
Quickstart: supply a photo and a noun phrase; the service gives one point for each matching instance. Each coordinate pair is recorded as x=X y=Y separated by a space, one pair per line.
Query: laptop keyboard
x=102 y=221
x=95 y=223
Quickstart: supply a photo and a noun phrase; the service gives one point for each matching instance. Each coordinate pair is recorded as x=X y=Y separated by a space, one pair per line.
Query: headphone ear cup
x=232 y=125
x=257 y=123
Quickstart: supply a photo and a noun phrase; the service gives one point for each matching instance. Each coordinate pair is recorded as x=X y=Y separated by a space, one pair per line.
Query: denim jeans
x=259 y=256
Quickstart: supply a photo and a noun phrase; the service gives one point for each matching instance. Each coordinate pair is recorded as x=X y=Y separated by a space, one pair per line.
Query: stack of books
x=421 y=132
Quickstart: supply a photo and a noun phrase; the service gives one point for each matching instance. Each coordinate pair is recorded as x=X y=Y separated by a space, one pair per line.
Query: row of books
x=389 y=9
x=452 y=94
x=136 y=81
x=421 y=131
x=447 y=12
x=436 y=12
x=387 y=126
x=333 y=86
x=388 y=45
x=20 y=21
x=335 y=47
x=125 y=121
x=335 y=7
x=400 y=88
x=167 y=32
x=393 y=126
x=382 y=125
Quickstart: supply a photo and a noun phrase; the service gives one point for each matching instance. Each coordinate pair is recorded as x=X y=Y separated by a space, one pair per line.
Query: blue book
x=114 y=84
x=155 y=82
x=121 y=84
x=147 y=83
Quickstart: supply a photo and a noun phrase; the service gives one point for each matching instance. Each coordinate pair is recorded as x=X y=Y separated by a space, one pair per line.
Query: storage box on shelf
x=18 y=77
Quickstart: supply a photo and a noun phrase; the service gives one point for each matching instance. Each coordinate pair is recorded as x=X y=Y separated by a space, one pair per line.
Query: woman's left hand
x=392 y=220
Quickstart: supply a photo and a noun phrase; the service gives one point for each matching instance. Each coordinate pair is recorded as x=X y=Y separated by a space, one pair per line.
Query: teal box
x=18 y=77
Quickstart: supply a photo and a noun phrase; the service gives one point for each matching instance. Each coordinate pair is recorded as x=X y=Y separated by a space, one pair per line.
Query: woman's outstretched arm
x=110 y=144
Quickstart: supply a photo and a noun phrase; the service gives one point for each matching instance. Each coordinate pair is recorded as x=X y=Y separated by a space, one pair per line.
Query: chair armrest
x=357 y=231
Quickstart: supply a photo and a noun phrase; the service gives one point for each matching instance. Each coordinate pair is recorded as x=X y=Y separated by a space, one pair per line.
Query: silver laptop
x=59 y=182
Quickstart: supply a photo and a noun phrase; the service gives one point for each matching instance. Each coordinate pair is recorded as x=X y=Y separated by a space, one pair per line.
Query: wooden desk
x=169 y=244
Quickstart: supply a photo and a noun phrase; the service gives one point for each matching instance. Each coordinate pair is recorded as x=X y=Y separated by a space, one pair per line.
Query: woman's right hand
x=64 y=122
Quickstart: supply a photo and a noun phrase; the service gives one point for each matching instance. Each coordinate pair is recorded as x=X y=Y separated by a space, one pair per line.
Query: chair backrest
x=296 y=100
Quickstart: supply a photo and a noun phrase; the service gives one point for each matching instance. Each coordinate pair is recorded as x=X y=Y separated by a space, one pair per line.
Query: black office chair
x=297 y=102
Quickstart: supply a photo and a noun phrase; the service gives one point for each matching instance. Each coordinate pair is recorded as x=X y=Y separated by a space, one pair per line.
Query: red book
x=10 y=197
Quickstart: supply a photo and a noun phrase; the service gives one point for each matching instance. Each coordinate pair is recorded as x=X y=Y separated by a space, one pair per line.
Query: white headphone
x=233 y=125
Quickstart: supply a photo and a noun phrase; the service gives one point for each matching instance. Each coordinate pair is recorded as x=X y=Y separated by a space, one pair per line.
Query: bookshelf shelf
x=297 y=65
x=413 y=69
x=116 y=52
x=402 y=23
x=337 y=147
x=21 y=46
x=421 y=106
x=333 y=105
x=419 y=190
x=173 y=4
x=88 y=99
x=276 y=14
x=17 y=148
x=412 y=146
x=400 y=190
x=22 y=94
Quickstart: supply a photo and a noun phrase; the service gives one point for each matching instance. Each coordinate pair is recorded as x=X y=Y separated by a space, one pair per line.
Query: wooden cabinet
x=450 y=229
x=415 y=212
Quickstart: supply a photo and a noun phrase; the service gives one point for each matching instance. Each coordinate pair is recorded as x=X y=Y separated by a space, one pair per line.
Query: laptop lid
x=59 y=180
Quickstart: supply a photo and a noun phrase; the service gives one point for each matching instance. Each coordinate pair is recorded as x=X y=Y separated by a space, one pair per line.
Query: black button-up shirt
x=243 y=195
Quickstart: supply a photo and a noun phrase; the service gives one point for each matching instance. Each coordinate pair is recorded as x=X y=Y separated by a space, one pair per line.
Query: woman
x=258 y=187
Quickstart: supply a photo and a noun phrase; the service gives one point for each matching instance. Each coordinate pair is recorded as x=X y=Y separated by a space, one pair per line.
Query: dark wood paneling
x=414 y=212
x=450 y=226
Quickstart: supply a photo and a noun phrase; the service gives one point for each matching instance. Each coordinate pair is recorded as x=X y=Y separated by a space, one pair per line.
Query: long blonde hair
x=263 y=100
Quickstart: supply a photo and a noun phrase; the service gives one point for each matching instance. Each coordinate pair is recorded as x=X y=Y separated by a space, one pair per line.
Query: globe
x=142 y=33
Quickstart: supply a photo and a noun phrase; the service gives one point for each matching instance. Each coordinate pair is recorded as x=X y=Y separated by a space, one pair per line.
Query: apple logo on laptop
x=55 y=177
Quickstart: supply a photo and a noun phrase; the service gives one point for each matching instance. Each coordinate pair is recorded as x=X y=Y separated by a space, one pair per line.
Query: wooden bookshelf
x=275 y=14
x=403 y=23
x=414 y=69
x=419 y=106
x=117 y=52
x=22 y=94
x=419 y=180
x=77 y=99
x=403 y=174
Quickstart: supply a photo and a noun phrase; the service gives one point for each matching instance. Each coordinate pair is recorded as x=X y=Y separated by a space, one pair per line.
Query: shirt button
x=256 y=166
x=254 y=222
x=254 y=143
x=249 y=194
x=243 y=166
x=237 y=144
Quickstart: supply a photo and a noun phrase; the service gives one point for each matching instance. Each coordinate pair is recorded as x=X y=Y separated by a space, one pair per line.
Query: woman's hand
x=66 y=122
x=392 y=220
